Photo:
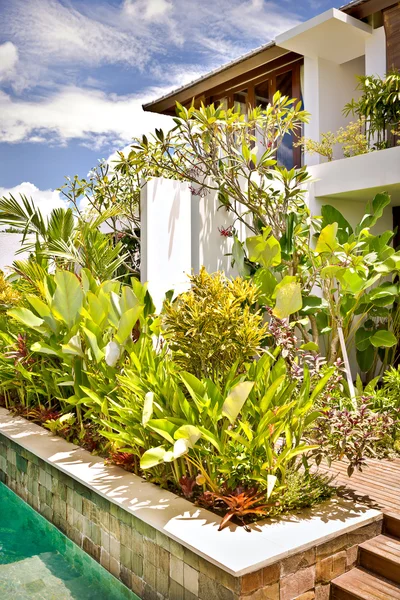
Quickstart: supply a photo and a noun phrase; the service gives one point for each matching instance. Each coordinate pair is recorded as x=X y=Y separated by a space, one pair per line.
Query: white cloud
x=51 y=32
x=140 y=34
x=75 y=113
x=149 y=9
x=45 y=200
x=8 y=60
x=171 y=41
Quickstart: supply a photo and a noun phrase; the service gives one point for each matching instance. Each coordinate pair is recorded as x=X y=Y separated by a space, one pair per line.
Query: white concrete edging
x=234 y=550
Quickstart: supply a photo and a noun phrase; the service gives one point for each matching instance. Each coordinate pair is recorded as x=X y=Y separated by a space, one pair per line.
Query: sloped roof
x=233 y=63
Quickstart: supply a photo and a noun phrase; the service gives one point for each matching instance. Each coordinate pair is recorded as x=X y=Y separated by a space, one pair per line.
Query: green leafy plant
x=354 y=435
x=352 y=138
x=379 y=107
x=232 y=153
x=9 y=296
x=64 y=239
x=214 y=326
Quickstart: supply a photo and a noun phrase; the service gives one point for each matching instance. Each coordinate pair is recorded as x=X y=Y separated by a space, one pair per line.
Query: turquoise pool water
x=37 y=562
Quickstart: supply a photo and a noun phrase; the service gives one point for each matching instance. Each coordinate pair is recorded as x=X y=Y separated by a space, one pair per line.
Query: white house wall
x=10 y=243
x=209 y=247
x=328 y=86
x=375 y=53
x=180 y=233
x=165 y=237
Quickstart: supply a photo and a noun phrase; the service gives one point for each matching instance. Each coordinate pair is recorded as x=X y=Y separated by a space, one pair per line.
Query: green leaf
x=188 y=432
x=331 y=215
x=147 y=408
x=238 y=258
x=267 y=283
x=351 y=281
x=383 y=295
x=45 y=349
x=163 y=427
x=127 y=322
x=97 y=353
x=383 y=339
x=237 y=397
x=153 y=457
x=92 y=395
x=365 y=358
x=327 y=241
x=374 y=211
x=363 y=338
x=194 y=385
x=311 y=304
x=68 y=297
x=264 y=249
x=288 y=299
x=26 y=316
x=331 y=271
x=310 y=346
x=73 y=346
x=128 y=299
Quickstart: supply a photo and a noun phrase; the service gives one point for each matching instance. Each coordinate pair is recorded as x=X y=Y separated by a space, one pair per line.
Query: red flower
x=228 y=232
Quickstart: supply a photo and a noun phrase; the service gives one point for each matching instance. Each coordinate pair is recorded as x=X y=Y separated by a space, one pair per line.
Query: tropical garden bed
x=236 y=390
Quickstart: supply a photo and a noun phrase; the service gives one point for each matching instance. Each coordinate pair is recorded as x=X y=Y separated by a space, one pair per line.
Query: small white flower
x=113 y=352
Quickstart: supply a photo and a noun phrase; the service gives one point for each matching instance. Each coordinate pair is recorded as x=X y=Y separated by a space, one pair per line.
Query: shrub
x=214 y=326
x=390 y=392
x=355 y=435
x=352 y=138
x=9 y=296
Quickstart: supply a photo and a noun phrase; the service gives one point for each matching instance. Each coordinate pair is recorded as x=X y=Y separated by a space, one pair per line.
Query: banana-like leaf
x=153 y=457
x=26 y=317
x=235 y=400
x=127 y=323
x=147 y=408
x=68 y=297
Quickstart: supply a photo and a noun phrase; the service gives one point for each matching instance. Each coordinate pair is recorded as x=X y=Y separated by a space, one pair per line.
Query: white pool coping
x=234 y=550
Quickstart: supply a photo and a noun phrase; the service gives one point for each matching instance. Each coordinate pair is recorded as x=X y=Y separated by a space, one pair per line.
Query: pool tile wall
x=153 y=565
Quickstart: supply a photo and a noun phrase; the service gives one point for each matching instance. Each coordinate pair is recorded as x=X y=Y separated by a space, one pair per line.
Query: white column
x=165 y=237
x=375 y=53
x=328 y=86
x=311 y=104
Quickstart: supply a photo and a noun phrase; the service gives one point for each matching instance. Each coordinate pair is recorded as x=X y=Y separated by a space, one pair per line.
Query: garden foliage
x=235 y=389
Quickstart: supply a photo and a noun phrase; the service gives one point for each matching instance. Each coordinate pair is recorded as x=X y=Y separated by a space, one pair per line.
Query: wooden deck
x=378 y=485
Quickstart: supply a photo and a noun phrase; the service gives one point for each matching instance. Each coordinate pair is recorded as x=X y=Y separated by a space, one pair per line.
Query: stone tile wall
x=154 y=566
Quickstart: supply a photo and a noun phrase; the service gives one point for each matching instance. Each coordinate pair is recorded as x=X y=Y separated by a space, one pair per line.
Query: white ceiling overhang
x=333 y=35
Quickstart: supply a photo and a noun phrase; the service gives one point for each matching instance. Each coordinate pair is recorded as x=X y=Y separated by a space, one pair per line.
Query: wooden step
x=391 y=524
x=381 y=555
x=358 y=584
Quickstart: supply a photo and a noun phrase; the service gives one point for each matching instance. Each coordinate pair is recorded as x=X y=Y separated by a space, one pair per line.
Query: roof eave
x=209 y=80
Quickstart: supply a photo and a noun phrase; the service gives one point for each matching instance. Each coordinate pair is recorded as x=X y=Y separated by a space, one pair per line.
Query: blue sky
x=74 y=73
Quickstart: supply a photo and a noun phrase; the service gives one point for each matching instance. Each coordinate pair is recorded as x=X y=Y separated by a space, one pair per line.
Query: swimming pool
x=37 y=562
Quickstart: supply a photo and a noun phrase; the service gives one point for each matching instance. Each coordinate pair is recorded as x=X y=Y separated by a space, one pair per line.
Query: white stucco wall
x=209 y=247
x=165 y=237
x=10 y=243
x=328 y=86
x=180 y=234
x=375 y=53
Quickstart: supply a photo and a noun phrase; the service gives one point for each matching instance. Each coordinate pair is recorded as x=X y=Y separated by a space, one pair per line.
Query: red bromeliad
x=242 y=502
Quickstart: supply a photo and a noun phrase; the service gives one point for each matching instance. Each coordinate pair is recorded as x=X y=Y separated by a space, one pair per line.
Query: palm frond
x=61 y=224
x=33 y=273
x=22 y=214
